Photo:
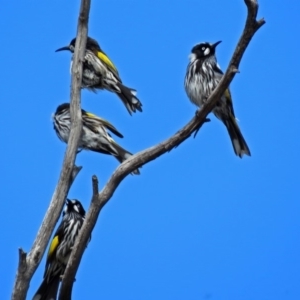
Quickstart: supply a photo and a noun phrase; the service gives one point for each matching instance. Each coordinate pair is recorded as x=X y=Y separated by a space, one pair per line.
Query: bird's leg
x=205 y=121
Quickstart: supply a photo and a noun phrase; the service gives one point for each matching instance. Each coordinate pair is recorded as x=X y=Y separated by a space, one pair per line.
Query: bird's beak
x=68 y=201
x=63 y=48
x=213 y=45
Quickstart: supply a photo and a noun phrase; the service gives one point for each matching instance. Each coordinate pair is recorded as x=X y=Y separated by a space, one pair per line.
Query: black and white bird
x=99 y=72
x=94 y=135
x=60 y=250
x=202 y=77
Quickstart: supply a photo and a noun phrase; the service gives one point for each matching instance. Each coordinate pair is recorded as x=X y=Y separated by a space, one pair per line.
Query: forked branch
x=143 y=157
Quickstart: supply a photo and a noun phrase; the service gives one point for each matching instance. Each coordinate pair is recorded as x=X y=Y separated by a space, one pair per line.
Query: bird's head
x=91 y=44
x=74 y=206
x=203 y=50
x=62 y=107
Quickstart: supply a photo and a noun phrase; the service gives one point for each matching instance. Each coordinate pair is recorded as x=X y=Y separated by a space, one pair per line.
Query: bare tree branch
x=143 y=157
x=29 y=263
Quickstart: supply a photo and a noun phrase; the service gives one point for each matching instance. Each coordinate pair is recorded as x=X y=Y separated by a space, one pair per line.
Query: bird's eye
x=203 y=48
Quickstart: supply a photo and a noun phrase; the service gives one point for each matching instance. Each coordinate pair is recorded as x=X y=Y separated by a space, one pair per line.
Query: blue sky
x=198 y=223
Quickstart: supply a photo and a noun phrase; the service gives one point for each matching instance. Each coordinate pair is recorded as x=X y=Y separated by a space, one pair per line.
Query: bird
x=60 y=249
x=94 y=135
x=99 y=72
x=202 y=76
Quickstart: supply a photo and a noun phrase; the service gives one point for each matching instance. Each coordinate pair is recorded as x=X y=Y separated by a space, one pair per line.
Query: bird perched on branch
x=60 y=249
x=94 y=135
x=202 y=77
x=99 y=72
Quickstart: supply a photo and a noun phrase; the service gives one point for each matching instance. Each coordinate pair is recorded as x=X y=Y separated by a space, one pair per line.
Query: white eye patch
x=76 y=208
x=206 y=51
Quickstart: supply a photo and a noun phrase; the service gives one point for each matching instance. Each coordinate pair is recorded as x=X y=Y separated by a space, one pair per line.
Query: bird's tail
x=126 y=94
x=48 y=289
x=238 y=142
x=123 y=155
x=128 y=97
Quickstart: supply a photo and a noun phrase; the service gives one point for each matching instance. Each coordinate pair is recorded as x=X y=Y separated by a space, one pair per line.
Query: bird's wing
x=53 y=246
x=90 y=119
x=55 y=241
x=109 y=64
x=227 y=93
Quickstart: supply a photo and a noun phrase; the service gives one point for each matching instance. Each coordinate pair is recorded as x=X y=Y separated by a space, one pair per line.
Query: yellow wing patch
x=106 y=60
x=91 y=115
x=227 y=94
x=53 y=245
x=102 y=122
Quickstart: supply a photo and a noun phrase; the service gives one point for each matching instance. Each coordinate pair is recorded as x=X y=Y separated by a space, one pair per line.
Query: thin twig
x=95 y=186
x=143 y=157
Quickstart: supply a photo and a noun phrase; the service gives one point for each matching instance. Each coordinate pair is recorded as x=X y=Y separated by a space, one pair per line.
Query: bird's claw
x=196 y=131
x=198 y=128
